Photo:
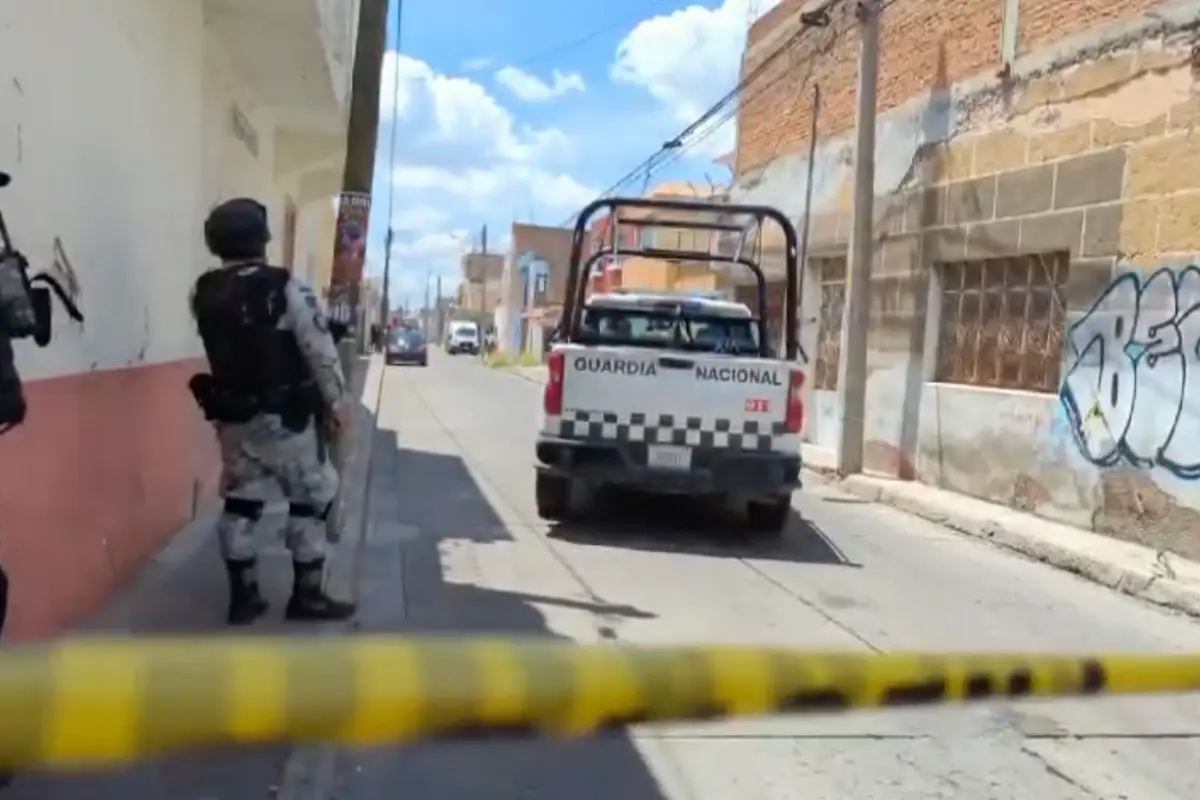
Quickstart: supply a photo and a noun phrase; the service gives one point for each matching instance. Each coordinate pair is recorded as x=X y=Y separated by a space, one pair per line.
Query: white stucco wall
x=115 y=123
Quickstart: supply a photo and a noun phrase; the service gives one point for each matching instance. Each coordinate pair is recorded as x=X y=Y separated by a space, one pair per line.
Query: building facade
x=608 y=273
x=480 y=288
x=119 y=138
x=1036 y=230
x=656 y=274
x=527 y=313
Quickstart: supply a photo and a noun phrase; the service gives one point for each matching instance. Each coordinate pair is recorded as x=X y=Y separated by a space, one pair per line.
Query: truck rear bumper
x=714 y=471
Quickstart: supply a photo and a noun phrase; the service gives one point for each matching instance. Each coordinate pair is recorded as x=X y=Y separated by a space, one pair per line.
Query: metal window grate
x=831 y=276
x=1002 y=321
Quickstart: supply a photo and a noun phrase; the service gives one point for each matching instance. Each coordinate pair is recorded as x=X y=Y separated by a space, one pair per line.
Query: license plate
x=666 y=456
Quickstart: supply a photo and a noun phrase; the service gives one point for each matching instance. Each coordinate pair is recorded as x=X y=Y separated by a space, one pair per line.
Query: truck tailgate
x=671 y=397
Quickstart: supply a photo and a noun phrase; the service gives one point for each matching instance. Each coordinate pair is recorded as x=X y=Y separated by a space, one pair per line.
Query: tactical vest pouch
x=18 y=316
x=296 y=406
x=12 y=397
x=222 y=405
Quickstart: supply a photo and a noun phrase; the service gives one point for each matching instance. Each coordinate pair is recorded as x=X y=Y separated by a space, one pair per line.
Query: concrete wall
x=1082 y=163
x=119 y=138
x=320 y=224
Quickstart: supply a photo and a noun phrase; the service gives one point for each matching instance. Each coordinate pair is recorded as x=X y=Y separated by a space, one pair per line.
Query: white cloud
x=463 y=160
x=531 y=88
x=419 y=218
x=500 y=187
x=689 y=59
x=476 y=64
x=437 y=246
x=459 y=114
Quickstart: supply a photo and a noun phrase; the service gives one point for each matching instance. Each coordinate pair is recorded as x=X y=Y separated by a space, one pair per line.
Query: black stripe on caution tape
x=91 y=701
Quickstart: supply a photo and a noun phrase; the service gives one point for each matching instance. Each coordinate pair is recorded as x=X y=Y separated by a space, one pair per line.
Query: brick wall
x=1074 y=184
x=924 y=44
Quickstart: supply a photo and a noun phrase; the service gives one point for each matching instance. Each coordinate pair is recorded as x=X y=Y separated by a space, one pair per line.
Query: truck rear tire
x=553 y=496
x=769 y=518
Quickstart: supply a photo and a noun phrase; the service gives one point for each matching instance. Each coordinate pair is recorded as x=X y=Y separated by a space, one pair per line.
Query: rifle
x=25 y=312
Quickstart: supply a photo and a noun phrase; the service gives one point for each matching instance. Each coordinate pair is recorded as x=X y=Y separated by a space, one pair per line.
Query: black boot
x=309 y=602
x=246 y=603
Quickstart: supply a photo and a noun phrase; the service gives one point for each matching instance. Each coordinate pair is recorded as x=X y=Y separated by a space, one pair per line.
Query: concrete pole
x=439 y=328
x=357 y=176
x=427 y=312
x=358 y=173
x=852 y=371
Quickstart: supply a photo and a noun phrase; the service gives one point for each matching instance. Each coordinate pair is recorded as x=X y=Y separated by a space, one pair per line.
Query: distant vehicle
x=463 y=337
x=406 y=346
x=672 y=393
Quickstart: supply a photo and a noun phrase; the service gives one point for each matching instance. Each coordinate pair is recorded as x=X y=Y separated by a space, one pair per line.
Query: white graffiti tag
x=1133 y=391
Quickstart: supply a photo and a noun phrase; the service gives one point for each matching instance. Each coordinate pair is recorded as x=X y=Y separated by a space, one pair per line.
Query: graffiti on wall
x=1131 y=392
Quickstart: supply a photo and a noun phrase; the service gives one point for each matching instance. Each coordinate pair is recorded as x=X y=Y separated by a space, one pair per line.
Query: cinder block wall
x=1069 y=188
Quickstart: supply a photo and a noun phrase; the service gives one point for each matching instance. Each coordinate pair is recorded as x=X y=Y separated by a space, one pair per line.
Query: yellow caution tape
x=95 y=700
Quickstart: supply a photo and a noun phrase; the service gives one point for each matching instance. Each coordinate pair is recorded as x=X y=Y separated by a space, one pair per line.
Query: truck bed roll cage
x=580 y=267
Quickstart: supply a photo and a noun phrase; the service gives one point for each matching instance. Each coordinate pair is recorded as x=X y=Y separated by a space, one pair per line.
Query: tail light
x=552 y=400
x=794 y=420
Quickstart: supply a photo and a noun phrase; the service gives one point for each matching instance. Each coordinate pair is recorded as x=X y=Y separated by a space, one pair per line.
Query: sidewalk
x=183 y=587
x=1161 y=578
x=532 y=374
x=183 y=590
x=1158 y=577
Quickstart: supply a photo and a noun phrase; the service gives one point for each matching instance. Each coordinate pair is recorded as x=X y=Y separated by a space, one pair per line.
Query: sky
x=528 y=109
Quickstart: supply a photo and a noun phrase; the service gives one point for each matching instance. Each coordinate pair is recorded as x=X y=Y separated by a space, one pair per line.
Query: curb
x=352 y=511
x=310 y=771
x=524 y=373
x=1141 y=572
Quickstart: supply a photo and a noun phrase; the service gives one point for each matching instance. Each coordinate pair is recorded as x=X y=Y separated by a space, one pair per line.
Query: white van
x=463 y=337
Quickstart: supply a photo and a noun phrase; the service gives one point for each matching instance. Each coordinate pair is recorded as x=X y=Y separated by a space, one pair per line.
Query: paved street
x=457 y=546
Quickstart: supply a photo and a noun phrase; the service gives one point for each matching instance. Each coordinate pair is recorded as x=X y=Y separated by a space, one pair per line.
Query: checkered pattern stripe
x=670 y=429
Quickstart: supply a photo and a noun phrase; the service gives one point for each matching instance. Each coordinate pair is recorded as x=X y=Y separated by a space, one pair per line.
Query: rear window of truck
x=669 y=330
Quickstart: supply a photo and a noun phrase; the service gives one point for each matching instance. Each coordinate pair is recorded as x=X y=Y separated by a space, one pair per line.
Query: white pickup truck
x=670 y=394
x=674 y=394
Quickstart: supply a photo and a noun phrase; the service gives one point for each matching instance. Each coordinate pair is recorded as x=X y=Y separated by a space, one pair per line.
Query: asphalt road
x=457 y=546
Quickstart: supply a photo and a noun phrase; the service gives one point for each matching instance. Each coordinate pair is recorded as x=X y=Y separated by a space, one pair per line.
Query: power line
x=385 y=303
x=571 y=44
x=683 y=140
x=585 y=39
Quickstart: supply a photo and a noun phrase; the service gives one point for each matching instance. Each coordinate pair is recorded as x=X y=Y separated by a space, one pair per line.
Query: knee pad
x=246 y=509
x=310 y=511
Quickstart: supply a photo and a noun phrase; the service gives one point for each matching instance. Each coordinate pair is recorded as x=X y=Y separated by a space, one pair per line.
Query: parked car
x=406 y=346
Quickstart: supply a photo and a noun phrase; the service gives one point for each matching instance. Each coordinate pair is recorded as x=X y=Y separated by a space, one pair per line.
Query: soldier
x=276 y=382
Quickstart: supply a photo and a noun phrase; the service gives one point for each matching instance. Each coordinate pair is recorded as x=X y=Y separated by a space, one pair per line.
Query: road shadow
x=633 y=521
x=428 y=514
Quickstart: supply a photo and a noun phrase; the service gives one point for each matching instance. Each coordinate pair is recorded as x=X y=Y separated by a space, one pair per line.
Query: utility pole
x=361 y=139
x=385 y=304
x=426 y=312
x=483 y=284
x=852 y=371
x=358 y=173
x=440 y=328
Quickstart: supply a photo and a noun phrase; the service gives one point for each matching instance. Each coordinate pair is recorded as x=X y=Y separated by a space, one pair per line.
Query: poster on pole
x=350 y=245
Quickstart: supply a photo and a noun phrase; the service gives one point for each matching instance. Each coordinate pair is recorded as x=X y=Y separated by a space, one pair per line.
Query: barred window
x=1002 y=321
x=831 y=278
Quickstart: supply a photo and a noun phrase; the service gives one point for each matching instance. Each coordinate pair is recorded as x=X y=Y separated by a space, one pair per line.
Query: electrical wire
x=385 y=303
x=571 y=44
x=699 y=129
x=732 y=111
x=585 y=39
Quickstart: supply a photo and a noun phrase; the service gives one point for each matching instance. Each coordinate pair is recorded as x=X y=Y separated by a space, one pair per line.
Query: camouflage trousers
x=260 y=459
